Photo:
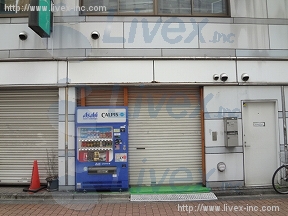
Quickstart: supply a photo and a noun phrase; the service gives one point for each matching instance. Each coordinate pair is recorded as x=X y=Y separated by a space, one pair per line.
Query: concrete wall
x=198 y=72
x=222 y=102
x=256 y=28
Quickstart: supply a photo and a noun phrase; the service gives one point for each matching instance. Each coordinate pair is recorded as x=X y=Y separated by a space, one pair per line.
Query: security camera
x=95 y=35
x=215 y=77
x=224 y=77
x=23 y=35
x=245 y=77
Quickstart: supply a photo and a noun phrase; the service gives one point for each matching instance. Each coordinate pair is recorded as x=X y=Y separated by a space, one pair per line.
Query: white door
x=260 y=142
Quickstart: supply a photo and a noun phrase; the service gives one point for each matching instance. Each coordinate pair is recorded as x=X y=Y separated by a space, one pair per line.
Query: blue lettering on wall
x=166 y=29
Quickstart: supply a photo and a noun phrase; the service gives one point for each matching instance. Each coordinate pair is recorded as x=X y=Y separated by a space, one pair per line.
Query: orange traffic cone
x=35 y=180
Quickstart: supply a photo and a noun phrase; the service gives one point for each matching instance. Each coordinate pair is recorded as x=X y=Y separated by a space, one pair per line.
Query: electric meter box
x=231 y=131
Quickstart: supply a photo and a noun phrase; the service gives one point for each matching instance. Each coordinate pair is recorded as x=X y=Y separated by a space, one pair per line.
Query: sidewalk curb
x=124 y=196
x=246 y=191
x=64 y=196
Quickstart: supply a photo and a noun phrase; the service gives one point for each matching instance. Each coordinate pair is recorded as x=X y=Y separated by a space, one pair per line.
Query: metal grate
x=173 y=197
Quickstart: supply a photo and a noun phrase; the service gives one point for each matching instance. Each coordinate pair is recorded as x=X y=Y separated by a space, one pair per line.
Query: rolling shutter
x=102 y=96
x=28 y=127
x=164 y=135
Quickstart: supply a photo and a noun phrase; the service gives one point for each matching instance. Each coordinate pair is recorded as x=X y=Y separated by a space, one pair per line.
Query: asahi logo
x=90 y=115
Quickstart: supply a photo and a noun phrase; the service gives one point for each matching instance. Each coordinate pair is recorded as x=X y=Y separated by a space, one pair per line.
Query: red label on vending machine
x=83 y=156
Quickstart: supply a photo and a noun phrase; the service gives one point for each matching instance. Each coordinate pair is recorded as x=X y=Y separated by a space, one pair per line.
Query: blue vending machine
x=101 y=148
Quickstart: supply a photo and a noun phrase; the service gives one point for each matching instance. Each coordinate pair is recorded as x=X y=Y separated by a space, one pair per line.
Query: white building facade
x=165 y=69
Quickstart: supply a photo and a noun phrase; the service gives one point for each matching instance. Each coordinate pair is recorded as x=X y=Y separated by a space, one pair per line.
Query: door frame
x=276 y=131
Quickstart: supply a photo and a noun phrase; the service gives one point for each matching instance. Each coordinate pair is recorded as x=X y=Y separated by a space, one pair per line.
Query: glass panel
x=95 y=144
x=111 y=6
x=174 y=6
x=14 y=6
x=136 y=6
x=209 y=6
x=2 y=5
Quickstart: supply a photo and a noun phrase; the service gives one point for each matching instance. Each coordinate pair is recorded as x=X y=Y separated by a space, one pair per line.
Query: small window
x=209 y=7
x=182 y=7
x=156 y=7
x=14 y=7
x=138 y=6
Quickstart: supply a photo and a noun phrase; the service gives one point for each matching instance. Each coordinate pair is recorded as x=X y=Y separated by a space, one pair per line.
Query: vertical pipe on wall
x=202 y=136
x=66 y=136
x=284 y=117
x=83 y=97
x=125 y=92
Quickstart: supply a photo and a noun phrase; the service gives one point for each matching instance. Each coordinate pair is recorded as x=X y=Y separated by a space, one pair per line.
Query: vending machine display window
x=95 y=144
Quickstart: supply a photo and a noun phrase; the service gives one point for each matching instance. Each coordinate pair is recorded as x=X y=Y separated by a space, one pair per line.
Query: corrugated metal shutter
x=164 y=135
x=102 y=96
x=28 y=126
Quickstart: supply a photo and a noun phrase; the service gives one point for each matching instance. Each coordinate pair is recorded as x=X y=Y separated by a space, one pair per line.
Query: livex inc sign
x=172 y=32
